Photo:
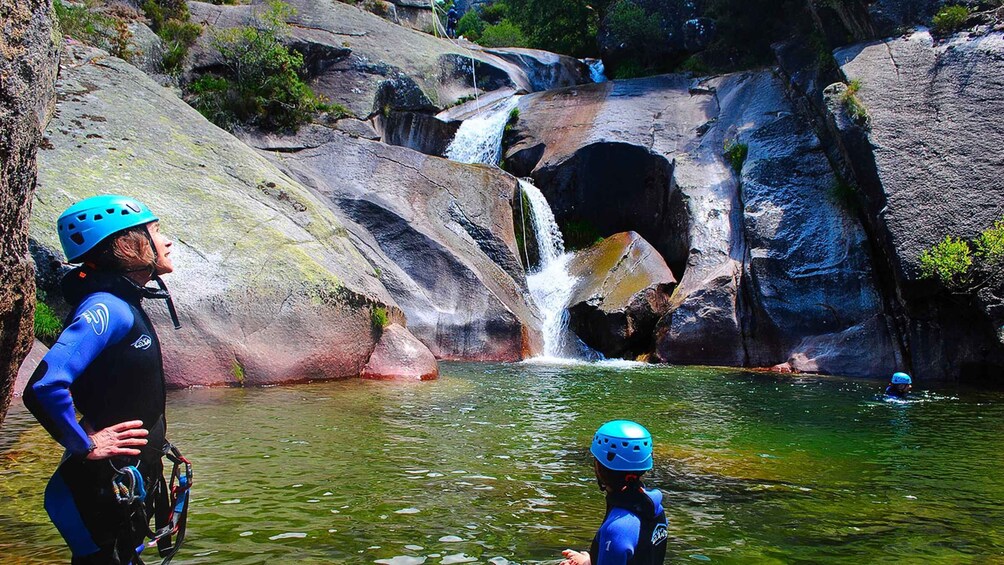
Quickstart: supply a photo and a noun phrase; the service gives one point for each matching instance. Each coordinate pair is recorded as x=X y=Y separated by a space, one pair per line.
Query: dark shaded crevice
x=608 y=188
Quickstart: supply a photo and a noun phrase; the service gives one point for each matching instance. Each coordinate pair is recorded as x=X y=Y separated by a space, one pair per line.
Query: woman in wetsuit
x=634 y=530
x=107 y=365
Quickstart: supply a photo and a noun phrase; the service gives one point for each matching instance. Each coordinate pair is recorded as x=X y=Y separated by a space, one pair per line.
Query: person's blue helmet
x=901 y=379
x=622 y=445
x=89 y=222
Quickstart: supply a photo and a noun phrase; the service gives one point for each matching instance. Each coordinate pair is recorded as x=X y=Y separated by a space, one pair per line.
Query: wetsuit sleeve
x=100 y=320
x=618 y=538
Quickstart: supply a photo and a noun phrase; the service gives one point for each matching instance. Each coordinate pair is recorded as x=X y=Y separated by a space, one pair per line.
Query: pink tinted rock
x=401 y=356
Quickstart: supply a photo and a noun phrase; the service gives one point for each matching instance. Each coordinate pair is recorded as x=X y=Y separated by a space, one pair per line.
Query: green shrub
x=990 y=245
x=630 y=24
x=630 y=69
x=853 y=105
x=694 y=64
x=471 y=25
x=493 y=14
x=160 y=11
x=238 y=372
x=736 y=154
x=178 y=38
x=263 y=87
x=105 y=32
x=379 y=318
x=503 y=34
x=949 y=19
x=948 y=261
x=48 y=326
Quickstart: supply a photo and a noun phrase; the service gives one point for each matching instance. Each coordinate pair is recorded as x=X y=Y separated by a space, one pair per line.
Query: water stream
x=479 y=139
x=490 y=465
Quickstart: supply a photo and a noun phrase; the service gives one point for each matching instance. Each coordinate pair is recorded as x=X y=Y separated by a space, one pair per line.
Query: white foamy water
x=479 y=139
x=551 y=285
x=597 y=72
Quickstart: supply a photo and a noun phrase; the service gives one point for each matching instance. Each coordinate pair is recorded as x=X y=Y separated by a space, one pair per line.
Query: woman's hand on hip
x=120 y=439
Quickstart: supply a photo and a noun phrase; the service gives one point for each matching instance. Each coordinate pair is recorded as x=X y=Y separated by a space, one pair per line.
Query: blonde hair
x=126 y=251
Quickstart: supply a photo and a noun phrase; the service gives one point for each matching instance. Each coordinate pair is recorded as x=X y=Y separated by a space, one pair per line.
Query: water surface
x=489 y=464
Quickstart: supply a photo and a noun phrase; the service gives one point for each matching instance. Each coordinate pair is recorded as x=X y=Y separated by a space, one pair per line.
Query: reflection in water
x=490 y=464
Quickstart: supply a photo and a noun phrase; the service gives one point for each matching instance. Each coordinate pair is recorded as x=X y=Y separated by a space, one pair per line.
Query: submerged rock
x=399 y=356
x=622 y=288
x=268 y=285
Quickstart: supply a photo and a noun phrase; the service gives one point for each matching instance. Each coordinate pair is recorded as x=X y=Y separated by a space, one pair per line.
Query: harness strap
x=171 y=508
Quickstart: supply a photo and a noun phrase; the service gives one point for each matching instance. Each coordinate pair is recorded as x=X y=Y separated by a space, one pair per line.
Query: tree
x=568 y=26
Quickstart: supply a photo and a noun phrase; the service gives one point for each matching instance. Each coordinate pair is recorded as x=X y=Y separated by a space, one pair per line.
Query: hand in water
x=573 y=557
x=120 y=439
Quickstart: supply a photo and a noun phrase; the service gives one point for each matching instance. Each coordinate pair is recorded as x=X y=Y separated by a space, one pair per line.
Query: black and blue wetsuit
x=634 y=530
x=106 y=365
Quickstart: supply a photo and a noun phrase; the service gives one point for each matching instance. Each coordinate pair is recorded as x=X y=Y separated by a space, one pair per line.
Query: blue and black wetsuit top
x=106 y=364
x=634 y=530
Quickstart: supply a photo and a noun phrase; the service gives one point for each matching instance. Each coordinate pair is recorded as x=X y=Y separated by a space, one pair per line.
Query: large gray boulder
x=29 y=55
x=766 y=256
x=929 y=165
x=268 y=285
x=622 y=288
x=439 y=235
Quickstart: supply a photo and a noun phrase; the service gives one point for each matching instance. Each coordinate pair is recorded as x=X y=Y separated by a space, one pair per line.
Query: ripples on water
x=490 y=464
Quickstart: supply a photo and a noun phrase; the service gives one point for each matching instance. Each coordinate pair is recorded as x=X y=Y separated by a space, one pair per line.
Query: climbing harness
x=175 y=522
x=171 y=508
x=127 y=485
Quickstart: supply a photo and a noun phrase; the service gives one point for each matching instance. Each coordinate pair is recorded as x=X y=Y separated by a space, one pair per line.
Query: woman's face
x=162 y=246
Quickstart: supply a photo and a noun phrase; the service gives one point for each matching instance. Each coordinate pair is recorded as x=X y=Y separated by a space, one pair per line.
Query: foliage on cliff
x=263 y=86
x=963 y=267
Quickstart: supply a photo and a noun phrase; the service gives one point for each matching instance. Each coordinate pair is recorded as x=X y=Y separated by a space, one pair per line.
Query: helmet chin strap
x=151 y=271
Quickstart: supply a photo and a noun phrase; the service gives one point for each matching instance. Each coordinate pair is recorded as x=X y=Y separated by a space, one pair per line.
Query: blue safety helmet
x=89 y=222
x=901 y=379
x=622 y=445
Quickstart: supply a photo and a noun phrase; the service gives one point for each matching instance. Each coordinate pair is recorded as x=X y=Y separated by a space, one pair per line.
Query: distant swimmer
x=634 y=529
x=899 y=386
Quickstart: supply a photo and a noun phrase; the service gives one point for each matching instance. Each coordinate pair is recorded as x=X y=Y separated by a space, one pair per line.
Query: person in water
x=634 y=529
x=107 y=365
x=899 y=386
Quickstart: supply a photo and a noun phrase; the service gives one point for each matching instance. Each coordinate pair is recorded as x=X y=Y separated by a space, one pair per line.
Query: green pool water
x=490 y=464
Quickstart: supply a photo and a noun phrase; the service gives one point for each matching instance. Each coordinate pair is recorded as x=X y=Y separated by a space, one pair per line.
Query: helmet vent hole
x=610 y=456
x=624 y=443
x=125 y=212
x=81 y=217
x=77 y=238
x=637 y=448
x=71 y=226
x=98 y=217
x=110 y=211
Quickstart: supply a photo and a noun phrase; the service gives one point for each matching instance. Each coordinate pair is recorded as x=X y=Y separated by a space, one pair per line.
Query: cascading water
x=479 y=139
x=551 y=285
x=597 y=72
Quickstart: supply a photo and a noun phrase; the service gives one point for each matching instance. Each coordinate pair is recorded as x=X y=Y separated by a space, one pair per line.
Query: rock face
x=399 y=356
x=769 y=261
x=29 y=58
x=929 y=166
x=439 y=235
x=262 y=264
x=622 y=289
x=351 y=54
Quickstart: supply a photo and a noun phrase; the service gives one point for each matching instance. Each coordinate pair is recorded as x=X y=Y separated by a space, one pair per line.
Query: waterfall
x=597 y=72
x=479 y=139
x=551 y=285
